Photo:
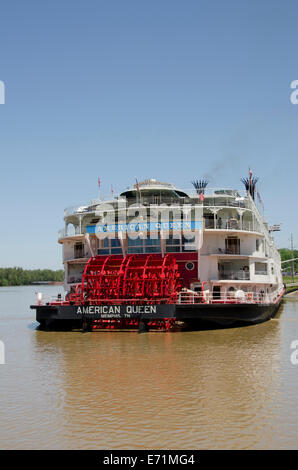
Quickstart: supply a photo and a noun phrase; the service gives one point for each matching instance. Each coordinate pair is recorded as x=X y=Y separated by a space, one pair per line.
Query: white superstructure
x=237 y=253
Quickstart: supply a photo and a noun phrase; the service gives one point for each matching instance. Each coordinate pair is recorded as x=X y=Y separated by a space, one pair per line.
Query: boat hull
x=193 y=315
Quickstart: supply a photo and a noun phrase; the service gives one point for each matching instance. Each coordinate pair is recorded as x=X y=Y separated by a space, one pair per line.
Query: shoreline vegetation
x=23 y=277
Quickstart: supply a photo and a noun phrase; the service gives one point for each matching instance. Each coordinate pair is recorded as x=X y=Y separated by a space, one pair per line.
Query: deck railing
x=190 y=297
x=235 y=276
x=69 y=232
x=183 y=298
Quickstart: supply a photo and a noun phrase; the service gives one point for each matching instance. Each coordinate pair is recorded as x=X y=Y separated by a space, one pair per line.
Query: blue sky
x=123 y=88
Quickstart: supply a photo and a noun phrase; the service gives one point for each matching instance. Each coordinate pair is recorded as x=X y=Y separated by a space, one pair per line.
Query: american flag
x=250 y=177
x=98 y=182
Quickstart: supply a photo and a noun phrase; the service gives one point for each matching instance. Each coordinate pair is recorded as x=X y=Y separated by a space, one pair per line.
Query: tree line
x=285 y=254
x=23 y=277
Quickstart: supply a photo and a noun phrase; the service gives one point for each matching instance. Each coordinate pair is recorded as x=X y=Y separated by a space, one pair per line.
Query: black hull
x=193 y=315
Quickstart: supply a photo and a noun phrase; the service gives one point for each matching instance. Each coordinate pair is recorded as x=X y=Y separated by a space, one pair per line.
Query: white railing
x=190 y=297
x=69 y=232
x=77 y=210
x=184 y=297
x=235 y=275
x=71 y=257
x=213 y=197
x=223 y=251
x=42 y=299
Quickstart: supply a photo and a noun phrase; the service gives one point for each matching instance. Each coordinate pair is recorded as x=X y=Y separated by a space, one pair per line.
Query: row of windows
x=147 y=245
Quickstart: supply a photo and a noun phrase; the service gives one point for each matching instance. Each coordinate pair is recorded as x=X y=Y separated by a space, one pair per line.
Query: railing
x=235 y=276
x=231 y=224
x=226 y=202
x=77 y=210
x=183 y=298
x=42 y=299
x=82 y=255
x=227 y=251
x=74 y=280
x=69 y=233
x=213 y=197
x=190 y=297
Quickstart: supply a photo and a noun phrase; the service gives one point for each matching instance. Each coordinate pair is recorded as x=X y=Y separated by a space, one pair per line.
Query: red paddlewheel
x=115 y=324
x=163 y=325
x=134 y=279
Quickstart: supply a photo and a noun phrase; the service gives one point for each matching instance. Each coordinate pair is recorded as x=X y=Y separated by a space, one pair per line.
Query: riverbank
x=291 y=288
x=24 y=277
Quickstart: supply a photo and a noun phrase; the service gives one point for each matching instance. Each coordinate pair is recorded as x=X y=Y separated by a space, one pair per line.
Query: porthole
x=189 y=266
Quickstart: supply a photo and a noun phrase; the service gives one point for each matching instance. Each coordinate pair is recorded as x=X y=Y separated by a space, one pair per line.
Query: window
x=135 y=246
x=116 y=247
x=216 y=292
x=189 y=266
x=257 y=244
x=152 y=245
x=232 y=246
x=188 y=244
x=79 y=250
x=103 y=251
x=261 y=269
x=109 y=246
x=104 y=247
x=172 y=244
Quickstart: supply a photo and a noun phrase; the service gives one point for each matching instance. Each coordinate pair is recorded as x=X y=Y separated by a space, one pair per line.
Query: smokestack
x=200 y=186
x=250 y=184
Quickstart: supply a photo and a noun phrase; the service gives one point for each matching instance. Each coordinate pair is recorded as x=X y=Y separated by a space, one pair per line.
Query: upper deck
x=221 y=209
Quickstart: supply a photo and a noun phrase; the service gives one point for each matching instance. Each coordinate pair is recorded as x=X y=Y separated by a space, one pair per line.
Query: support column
x=214 y=212
x=163 y=243
x=240 y=213
x=122 y=239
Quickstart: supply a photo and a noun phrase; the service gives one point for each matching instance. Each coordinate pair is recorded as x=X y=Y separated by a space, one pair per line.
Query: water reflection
x=223 y=388
x=184 y=390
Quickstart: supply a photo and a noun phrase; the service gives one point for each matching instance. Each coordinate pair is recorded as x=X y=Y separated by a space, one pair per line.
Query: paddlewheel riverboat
x=157 y=257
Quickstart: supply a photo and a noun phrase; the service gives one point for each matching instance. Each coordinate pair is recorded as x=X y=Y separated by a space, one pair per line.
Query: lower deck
x=142 y=315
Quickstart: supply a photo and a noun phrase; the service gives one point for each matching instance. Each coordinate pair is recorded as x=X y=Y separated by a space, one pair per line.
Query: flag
x=250 y=177
x=112 y=189
x=137 y=186
x=201 y=197
x=98 y=182
x=259 y=199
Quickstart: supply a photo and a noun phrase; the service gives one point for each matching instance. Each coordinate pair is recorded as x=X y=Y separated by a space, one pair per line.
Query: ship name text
x=115 y=309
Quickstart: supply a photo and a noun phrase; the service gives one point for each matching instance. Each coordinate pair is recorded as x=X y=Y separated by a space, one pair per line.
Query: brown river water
x=230 y=388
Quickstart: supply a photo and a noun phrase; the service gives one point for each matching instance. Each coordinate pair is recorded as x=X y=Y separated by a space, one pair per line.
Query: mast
x=292 y=250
